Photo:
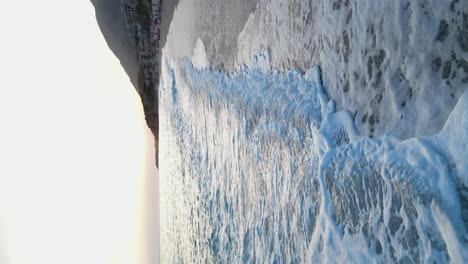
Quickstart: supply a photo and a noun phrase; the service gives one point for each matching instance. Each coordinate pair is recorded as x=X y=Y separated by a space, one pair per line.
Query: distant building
x=146 y=51
x=136 y=32
x=146 y=40
x=156 y=20
x=129 y=10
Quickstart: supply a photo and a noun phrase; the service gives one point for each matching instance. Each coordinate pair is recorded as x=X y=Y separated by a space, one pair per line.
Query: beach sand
x=216 y=23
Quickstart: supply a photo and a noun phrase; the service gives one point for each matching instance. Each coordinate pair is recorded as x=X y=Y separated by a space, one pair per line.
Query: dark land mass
x=113 y=27
x=143 y=76
x=217 y=24
x=112 y=24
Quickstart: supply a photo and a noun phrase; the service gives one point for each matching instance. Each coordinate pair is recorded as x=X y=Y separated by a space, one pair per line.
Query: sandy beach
x=216 y=23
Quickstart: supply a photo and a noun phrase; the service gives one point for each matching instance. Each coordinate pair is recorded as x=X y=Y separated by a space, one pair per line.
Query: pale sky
x=77 y=181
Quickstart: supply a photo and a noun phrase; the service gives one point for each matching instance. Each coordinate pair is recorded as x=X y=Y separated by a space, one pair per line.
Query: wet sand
x=168 y=7
x=217 y=23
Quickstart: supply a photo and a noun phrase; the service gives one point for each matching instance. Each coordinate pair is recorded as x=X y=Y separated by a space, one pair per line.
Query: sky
x=77 y=181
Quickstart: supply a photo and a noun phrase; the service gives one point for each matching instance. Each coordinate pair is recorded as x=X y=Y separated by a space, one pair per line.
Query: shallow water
x=258 y=167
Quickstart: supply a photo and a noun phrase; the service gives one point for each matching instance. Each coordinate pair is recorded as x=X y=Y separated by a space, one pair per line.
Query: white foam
x=200 y=59
x=299 y=32
x=258 y=166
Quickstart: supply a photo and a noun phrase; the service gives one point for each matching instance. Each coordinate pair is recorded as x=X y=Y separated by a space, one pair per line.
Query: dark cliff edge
x=134 y=31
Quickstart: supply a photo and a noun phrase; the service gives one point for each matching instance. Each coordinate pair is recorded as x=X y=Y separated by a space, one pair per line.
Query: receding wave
x=258 y=166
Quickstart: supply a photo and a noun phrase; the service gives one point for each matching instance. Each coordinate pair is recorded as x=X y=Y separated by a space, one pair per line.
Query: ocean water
x=257 y=167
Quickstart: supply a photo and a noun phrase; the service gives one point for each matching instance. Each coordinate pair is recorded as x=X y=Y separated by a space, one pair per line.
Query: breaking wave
x=258 y=166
